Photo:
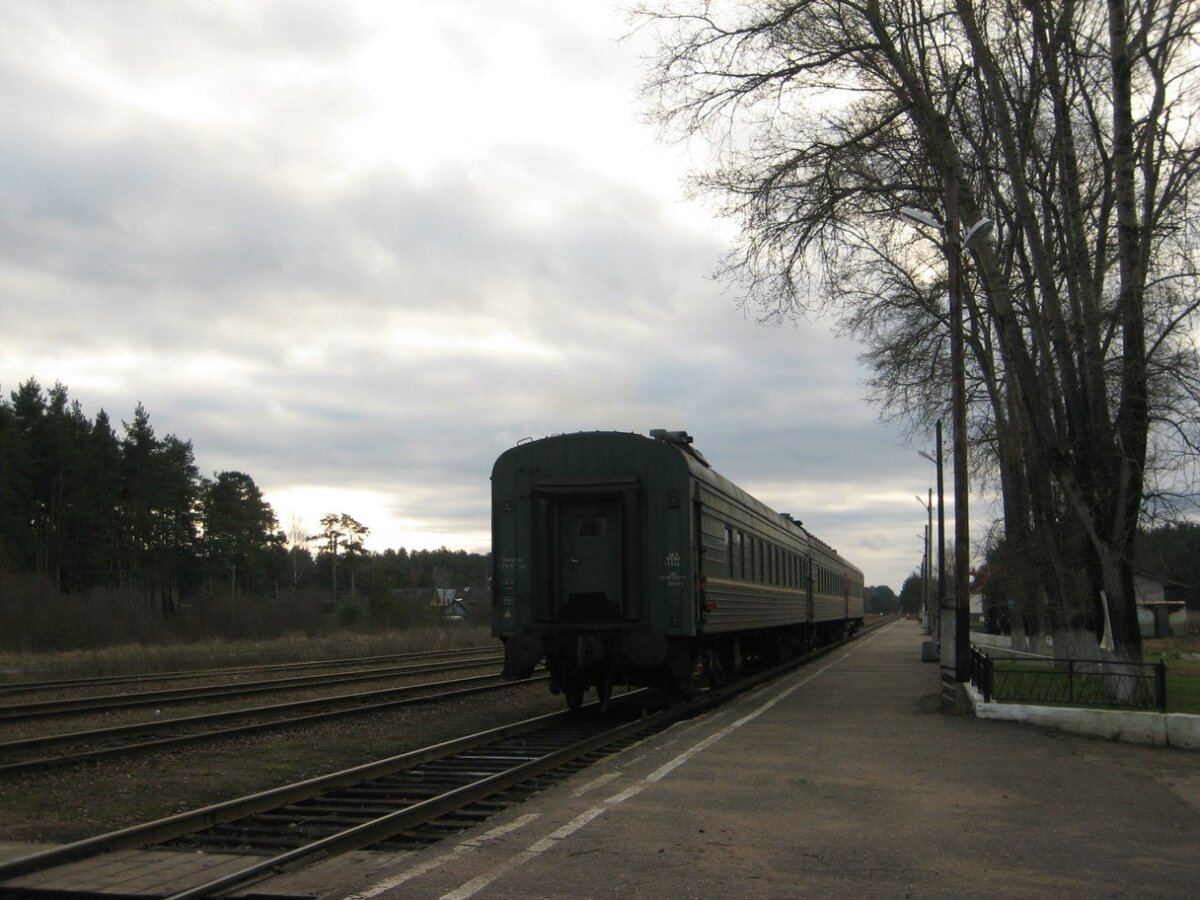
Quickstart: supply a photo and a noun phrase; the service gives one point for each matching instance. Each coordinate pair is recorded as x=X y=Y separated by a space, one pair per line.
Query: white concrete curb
x=1160 y=729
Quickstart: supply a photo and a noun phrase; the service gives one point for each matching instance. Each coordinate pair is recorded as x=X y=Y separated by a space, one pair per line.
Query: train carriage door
x=589 y=545
x=586 y=558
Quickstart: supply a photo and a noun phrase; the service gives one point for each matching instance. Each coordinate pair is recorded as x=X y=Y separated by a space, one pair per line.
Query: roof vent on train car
x=682 y=440
x=671 y=437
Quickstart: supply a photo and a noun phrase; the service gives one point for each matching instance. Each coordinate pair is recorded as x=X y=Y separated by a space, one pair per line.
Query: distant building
x=1161 y=606
x=455 y=606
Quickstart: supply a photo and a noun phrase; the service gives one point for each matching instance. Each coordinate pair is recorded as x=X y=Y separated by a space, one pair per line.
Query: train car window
x=592 y=526
x=715 y=544
x=729 y=550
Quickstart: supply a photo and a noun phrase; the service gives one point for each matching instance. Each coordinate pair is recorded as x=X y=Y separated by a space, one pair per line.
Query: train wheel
x=685 y=687
x=604 y=691
x=714 y=671
x=573 y=691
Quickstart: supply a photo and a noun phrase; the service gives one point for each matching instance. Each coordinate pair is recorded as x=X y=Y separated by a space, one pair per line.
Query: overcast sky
x=358 y=249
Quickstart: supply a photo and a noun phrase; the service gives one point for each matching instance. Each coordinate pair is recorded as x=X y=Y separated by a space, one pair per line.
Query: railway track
x=405 y=801
x=24 y=687
x=122 y=740
x=403 y=796
x=157 y=698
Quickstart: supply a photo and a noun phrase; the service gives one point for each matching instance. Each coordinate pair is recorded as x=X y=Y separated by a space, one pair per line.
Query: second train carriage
x=622 y=559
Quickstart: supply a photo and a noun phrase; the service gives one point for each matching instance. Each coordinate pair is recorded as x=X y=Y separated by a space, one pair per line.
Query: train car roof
x=701 y=469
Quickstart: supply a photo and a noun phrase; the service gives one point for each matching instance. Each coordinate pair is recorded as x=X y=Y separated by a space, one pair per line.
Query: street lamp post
x=941 y=554
x=930 y=618
x=956 y=639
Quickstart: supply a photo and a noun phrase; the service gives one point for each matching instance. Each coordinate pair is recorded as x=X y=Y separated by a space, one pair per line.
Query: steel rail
x=68 y=706
x=351 y=705
x=14 y=687
x=386 y=826
x=180 y=824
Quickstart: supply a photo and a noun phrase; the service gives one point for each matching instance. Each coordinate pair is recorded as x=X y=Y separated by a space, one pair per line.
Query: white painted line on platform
x=465 y=847
x=536 y=849
x=475 y=885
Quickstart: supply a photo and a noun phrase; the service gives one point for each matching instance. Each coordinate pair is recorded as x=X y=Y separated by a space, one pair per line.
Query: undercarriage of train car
x=581 y=657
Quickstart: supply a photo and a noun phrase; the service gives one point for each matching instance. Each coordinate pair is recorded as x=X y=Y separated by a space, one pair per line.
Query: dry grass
x=48 y=634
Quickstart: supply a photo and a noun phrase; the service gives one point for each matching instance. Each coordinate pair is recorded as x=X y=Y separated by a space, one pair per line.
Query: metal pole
x=929 y=553
x=941 y=563
x=962 y=534
x=926 y=565
x=954 y=625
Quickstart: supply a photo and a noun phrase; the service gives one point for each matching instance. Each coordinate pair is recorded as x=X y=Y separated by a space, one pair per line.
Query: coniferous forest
x=108 y=531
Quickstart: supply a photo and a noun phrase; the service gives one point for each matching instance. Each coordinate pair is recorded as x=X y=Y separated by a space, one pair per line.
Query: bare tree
x=1069 y=124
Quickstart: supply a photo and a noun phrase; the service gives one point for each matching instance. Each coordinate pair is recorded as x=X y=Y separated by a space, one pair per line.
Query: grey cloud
x=277 y=321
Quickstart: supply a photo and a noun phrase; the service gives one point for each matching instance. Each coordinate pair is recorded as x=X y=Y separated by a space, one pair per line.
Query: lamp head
x=983 y=226
x=920 y=217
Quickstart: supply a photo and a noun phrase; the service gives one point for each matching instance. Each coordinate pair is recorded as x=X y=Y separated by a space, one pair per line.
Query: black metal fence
x=1070 y=682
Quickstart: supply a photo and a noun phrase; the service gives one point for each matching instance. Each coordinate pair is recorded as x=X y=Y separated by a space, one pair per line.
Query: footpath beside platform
x=844 y=779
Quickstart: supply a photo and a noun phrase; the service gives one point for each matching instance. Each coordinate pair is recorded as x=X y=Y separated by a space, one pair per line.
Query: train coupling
x=588 y=650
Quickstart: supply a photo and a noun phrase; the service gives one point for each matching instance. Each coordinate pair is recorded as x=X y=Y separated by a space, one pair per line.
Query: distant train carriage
x=621 y=559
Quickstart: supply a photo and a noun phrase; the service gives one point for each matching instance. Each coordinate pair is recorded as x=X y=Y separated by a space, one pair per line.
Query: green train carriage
x=622 y=559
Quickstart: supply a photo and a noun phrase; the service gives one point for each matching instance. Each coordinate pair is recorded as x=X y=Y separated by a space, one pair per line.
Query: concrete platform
x=844 y=780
